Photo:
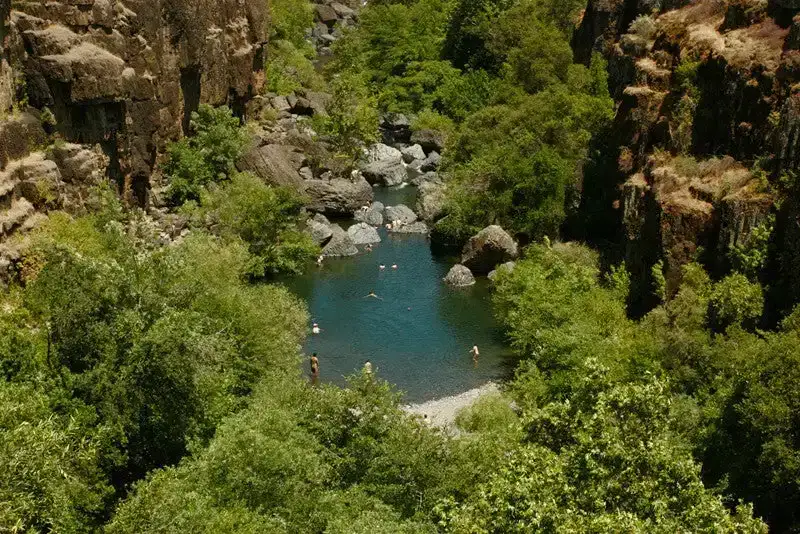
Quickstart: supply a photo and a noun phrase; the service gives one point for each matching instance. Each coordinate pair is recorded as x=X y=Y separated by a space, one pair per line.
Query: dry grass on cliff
x=696 y=28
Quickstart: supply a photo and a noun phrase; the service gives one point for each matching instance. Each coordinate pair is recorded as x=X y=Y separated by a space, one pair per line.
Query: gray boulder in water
x=341 y=244
x=369 y=216
x=488 y=248
x=338 y=196
x=413 y=152
x=400 y=213
x=386 y=172
x=363 y=234
x=459 y=276
x=320 y=233
x=418 y=227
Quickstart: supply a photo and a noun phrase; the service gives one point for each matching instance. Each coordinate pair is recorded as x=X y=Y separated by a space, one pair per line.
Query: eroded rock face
x=276 y=164
x=489 y=248
x=459 y=276
x=430 y=201
x=127 y=75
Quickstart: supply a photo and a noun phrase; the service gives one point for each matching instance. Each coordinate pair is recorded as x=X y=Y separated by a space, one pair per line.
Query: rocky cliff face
x=127 y=75
x=707 y=91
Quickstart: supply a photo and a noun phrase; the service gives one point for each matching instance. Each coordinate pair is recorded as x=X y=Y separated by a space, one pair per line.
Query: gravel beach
x=442 y=412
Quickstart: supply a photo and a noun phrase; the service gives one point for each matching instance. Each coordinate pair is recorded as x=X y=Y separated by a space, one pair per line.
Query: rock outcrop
x=320 y=232
x=338 y=196
x=400 y=213
x=128 y=75
x=487 y=249
x=459 y=276
x=430 y=201
x=340 y=244
x=363 y=234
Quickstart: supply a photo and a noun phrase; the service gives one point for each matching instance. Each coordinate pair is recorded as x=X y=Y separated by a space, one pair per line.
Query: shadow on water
x=418 y=335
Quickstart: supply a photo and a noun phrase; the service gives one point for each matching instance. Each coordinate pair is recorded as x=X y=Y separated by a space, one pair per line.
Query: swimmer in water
x=475 y=353
x=369 y=248
x=315 y=329
x=381 y=267
x=319 y=260
x=394 y=266
x=372 y=295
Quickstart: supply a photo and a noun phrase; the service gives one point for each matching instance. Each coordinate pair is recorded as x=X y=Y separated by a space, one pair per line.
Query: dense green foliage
x=521 y=114
x=119 y=356
x=208 y=156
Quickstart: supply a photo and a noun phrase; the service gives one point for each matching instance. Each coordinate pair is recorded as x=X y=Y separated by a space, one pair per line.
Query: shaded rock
x=19 y=135
x=306 y=173
x=378 y=206
x=370 y=216
x=342 y=10
x=340 y=244
x=363 y=234
x=275 y=164
x=488 y=248
x=431 y=163
x=395 y=128
x=428 y=177
x=320 y=233
x=338 y=196
x=459 y=276
x=280 y=103
x=430 y=201
x=413 y=152
x=326 y=15
x=418 y=227
x=400 y=213
x=385 y=172
x=506 y=267
x=429 y=140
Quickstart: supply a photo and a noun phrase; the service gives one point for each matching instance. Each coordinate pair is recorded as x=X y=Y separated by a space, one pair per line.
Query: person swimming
x=372 y=295
x=381 y=267
x=320 y=259
x=315 y=329
x=394 y=266
x=475 y=353
x=368 y=368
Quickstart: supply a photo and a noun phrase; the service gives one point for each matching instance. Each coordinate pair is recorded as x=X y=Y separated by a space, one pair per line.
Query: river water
x=419 y=335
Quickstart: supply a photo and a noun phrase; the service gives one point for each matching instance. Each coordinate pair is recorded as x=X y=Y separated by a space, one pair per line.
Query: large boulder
x=369 y=216
x=338 y=196
x=431 y=163
x=430 y=201
x=413 y=152
x=80 y=164
x=363 y=234
x=418 y=227
x=459 y=276
x=488 y=248
x=320 y=233
x=429 y=140
x=400 y=213
x=275 y=164
x=340 y=244
x=381 y=152
x=385 y=172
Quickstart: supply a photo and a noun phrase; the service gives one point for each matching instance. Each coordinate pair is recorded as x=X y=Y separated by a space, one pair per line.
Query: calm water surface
x=419 y=335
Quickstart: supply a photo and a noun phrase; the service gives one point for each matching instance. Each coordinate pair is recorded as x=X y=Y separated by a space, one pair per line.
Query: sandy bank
x=442 y=412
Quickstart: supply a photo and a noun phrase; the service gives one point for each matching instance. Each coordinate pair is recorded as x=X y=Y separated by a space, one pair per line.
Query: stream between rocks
x=419 y=333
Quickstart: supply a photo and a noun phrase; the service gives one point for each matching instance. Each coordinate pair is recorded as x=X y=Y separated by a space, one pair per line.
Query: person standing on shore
x=314 y=369
x=368 y=368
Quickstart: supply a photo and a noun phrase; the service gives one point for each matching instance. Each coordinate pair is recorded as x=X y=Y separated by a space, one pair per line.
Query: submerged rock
x=488 y=248
x=363 y=234
x=400 y=213
x=340 y=245
x=459 y=276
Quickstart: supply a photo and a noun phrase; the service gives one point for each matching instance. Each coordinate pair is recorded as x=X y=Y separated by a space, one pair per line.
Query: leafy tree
x=266 y=218
x=206 y=157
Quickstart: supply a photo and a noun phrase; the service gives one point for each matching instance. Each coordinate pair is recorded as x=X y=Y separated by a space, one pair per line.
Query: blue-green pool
x=419 y=335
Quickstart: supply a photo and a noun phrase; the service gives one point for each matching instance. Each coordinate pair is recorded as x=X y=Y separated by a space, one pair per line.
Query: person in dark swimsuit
x=314 y=369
